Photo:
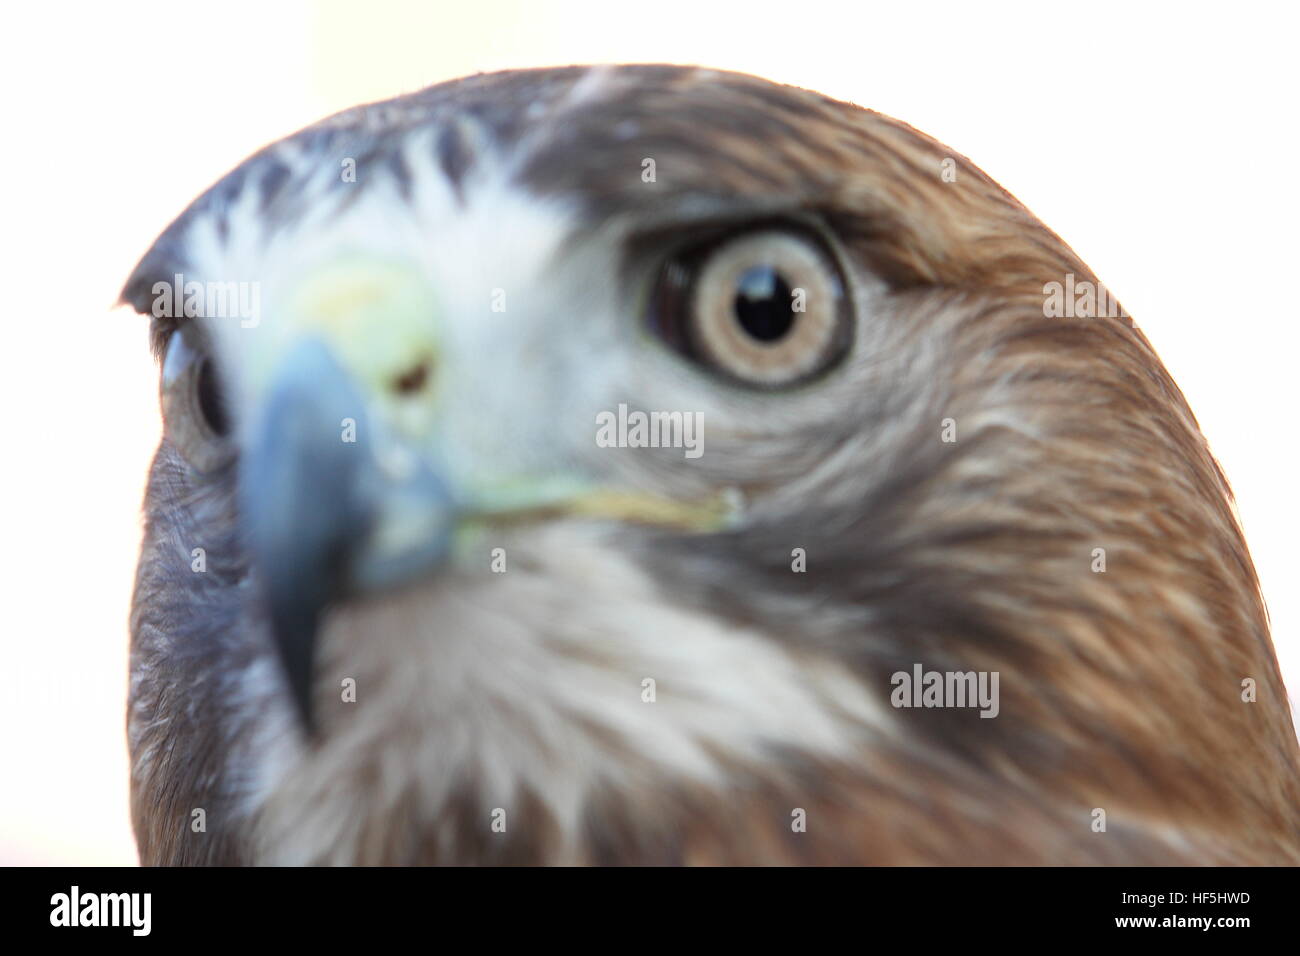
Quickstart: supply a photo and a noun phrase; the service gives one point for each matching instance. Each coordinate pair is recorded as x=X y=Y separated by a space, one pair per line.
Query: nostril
x=412 y=380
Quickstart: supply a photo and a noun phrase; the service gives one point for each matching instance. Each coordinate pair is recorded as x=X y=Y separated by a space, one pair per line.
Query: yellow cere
x=380 y=318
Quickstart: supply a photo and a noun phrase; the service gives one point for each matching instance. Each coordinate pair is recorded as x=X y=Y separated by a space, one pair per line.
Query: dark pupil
x=763 y=304
x=210 y=404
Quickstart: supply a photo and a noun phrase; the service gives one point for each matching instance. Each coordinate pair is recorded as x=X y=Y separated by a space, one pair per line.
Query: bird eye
x=194 y=406
x=766 y=307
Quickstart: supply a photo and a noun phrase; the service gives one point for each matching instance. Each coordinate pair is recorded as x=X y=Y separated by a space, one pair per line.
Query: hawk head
x=569 y=466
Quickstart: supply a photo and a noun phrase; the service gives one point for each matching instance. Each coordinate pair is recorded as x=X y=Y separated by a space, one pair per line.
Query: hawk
x=575 y=466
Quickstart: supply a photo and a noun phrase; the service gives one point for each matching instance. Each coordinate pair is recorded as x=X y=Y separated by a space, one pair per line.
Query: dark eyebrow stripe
x=455 y=156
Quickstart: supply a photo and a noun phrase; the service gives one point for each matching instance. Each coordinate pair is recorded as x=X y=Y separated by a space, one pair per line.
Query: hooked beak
x=326 y=516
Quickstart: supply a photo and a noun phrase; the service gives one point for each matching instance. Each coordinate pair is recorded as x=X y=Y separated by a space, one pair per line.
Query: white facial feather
x=532 y=681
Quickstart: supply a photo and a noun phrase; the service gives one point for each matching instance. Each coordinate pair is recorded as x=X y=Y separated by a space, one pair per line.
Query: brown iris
x=766 y=307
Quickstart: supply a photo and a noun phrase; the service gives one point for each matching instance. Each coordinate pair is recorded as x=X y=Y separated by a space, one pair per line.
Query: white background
x=1158 y=140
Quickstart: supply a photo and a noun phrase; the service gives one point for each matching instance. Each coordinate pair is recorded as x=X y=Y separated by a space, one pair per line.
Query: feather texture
x=1120 y=690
